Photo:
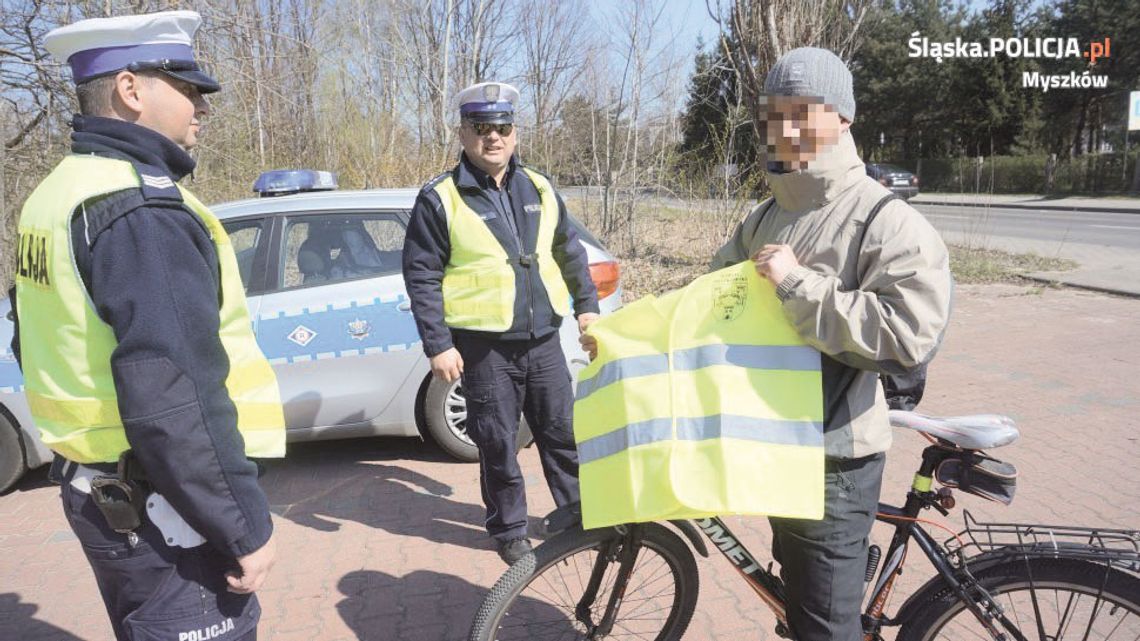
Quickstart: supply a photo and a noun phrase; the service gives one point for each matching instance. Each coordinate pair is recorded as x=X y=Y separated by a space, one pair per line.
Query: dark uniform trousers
x=155 y=592
x=501 y=379
x=823 y=562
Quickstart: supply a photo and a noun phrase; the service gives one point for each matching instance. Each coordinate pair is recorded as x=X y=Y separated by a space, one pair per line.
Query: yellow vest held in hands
x=702 y=402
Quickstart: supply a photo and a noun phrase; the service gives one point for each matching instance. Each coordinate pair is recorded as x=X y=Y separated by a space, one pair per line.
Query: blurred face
x=798 y=129
x=171 y=107
x=489 y=146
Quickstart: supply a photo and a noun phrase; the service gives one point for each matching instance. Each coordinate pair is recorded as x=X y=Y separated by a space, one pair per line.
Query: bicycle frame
x=770 y=588
x=950 y=562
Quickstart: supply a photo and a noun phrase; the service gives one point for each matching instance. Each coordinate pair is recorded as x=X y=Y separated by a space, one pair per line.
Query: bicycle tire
x=944 y=616
x=664 y=542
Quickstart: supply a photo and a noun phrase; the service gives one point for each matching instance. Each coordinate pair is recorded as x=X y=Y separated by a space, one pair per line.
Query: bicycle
x=1001 y=581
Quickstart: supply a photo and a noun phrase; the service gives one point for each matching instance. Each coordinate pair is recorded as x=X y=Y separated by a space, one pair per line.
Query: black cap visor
x=199 y=79
x=184 y=70
x=492 y=117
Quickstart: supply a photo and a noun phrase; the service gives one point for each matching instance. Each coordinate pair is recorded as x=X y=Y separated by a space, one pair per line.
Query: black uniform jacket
x=152 y=272
x=427 y=250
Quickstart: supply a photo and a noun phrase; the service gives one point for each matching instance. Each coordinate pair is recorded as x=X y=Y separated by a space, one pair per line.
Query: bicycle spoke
x=1065 y=614
x=1092 y=617
x=1017 y=619
x=649 y=599
x=1117 y=627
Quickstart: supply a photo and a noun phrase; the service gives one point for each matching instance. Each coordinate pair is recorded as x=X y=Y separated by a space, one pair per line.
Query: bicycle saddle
x=976 y=432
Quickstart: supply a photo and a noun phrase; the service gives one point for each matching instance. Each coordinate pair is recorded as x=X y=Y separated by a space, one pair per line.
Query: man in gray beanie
x=864 y=279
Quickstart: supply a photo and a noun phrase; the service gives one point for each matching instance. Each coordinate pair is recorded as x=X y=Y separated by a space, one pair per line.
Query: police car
x=322 y=273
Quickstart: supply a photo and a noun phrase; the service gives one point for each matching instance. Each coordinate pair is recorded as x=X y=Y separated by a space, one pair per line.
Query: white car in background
x=322 y=271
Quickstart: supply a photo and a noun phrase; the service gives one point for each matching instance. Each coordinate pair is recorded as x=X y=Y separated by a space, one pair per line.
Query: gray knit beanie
x=810 y=71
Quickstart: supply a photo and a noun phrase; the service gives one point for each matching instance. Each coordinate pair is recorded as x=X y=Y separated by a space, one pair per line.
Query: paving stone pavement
x=381 y=538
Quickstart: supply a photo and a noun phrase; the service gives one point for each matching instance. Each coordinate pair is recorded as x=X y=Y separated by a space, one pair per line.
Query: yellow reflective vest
x=479 y=279
x=702 y=402
x=66 y=348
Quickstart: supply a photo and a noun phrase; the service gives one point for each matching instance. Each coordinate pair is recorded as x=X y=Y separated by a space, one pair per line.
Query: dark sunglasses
x=484 y=128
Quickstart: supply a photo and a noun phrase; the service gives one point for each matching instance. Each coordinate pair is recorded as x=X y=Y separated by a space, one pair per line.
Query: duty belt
x=118 y=490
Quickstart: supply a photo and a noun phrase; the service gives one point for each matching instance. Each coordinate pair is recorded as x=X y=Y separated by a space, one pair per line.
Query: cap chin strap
x=165 y=64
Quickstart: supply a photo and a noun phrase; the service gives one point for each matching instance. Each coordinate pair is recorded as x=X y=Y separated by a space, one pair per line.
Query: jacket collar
x=822 y=182
x=136 y=144
x=468 y=176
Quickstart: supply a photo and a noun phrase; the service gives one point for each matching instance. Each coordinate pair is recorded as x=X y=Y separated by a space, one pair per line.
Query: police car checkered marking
x=389 y=329
x=11 y=390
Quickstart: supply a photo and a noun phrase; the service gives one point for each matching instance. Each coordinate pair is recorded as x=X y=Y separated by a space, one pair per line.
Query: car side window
x=334 y=248
x=244 y=236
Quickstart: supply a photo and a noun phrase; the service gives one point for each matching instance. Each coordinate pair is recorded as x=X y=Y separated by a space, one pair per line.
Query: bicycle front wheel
x=1045 y=599
x=541 y=596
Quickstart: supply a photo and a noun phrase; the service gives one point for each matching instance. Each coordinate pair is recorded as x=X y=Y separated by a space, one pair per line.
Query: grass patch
x=673 y=245
x=974 y=265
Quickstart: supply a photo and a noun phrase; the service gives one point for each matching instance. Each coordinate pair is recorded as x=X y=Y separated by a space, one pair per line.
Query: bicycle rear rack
x=1120 y=548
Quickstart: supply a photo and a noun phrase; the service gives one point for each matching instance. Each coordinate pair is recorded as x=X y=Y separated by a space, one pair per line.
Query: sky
x=690 y=20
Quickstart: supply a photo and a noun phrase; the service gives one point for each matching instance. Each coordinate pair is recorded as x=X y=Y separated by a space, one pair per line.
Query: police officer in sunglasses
x=492 y=267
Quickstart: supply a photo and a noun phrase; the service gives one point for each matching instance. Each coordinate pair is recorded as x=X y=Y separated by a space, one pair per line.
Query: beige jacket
x=882 y=309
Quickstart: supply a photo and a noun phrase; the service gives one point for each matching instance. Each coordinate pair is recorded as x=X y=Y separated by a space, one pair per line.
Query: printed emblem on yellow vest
x=729 y=296
x=32 y=258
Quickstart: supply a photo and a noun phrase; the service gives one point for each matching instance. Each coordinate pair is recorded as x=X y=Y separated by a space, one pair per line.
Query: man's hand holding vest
x=584 y=321
x=589 y=345
x=775 y=262
x=447 y=366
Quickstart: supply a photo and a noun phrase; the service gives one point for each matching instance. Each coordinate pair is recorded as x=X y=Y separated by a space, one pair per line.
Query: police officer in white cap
x=140 y=367
x=492 y=266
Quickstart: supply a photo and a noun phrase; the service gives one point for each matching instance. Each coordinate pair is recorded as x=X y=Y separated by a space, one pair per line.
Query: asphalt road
x=1106 y=246
x=1048 y=230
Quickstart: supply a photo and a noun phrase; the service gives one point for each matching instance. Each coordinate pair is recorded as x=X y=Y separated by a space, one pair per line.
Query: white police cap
x=149 y=42
x=492 y=102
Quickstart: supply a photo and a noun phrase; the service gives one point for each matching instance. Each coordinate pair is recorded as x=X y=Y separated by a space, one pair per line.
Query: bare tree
x=553 y=41
x=755 y=33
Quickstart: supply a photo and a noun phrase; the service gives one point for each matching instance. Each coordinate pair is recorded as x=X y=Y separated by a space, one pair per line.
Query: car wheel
x=445 y=416
x=12 y=464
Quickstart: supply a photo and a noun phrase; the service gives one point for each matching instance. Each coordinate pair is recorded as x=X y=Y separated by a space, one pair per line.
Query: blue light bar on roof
x=280 y=182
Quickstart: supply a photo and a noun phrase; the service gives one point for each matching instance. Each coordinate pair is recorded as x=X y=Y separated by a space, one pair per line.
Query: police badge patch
x=729 y=297
x=359 y=329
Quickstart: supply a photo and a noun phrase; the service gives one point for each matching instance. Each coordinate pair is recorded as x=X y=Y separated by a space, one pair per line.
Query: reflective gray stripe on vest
x=774 y=431
x=630 y=367
x=651 y=431
x=771 y=357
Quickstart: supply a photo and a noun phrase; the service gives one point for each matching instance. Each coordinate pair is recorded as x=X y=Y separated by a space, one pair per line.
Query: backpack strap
x=771 y=203
x=875 y=212
x=902 y=391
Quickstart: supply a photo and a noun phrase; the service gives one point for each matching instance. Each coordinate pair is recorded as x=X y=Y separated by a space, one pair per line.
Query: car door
x=336 y=322
x=249 y=238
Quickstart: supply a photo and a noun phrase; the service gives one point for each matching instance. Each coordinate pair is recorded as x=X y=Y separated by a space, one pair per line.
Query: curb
x=1055 y=280
x=1134 y=209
